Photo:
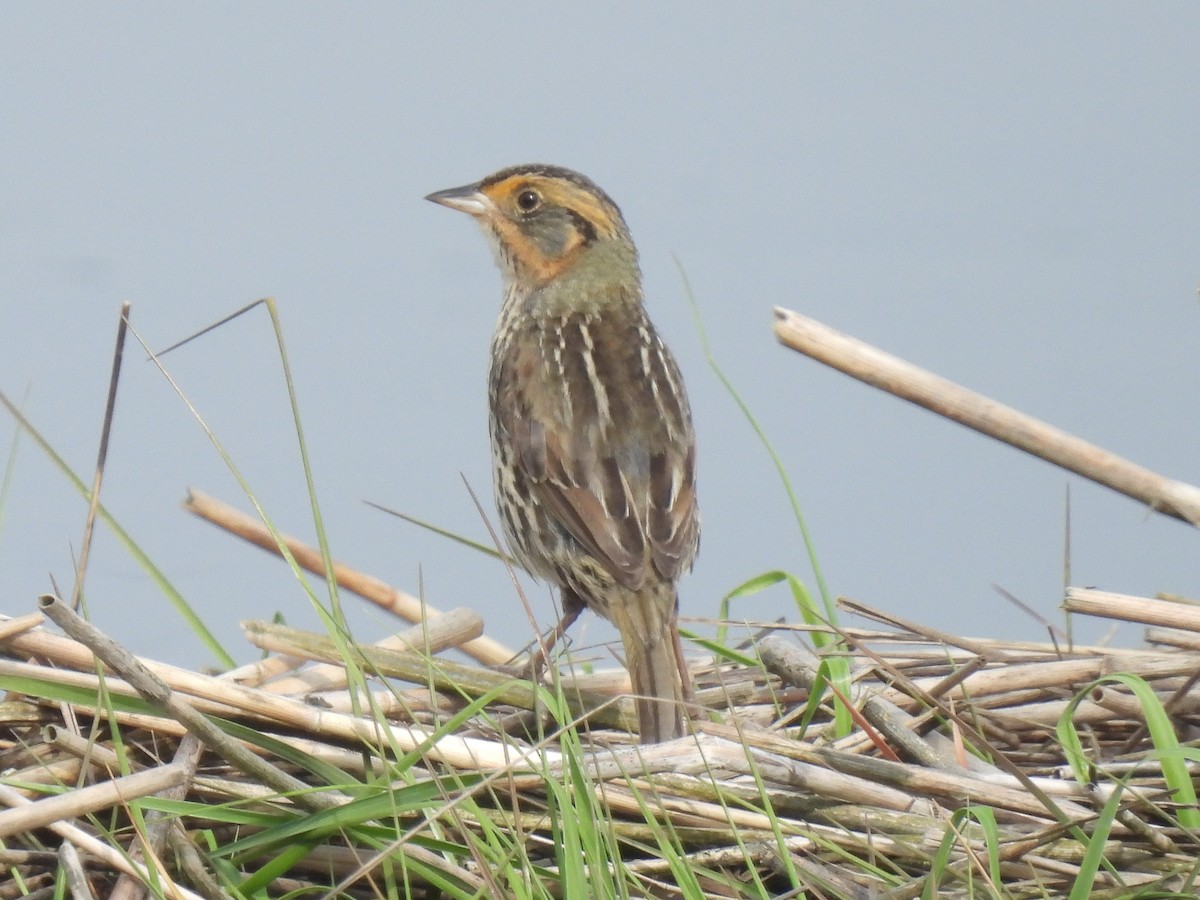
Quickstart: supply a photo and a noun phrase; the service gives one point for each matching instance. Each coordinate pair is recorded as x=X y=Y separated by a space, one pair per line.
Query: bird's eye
x=528 y=201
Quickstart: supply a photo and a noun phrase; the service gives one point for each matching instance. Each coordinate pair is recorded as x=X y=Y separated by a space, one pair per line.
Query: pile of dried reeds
x=925 y=763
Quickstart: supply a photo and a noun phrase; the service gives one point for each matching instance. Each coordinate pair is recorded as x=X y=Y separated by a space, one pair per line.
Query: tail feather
x=647 y=623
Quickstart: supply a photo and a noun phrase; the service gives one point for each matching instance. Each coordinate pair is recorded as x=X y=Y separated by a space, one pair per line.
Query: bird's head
x=547 y=224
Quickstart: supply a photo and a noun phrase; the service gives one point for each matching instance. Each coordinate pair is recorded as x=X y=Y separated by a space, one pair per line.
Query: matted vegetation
x=973 y=768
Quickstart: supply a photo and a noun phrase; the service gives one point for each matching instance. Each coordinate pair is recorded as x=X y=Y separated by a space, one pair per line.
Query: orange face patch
x=514 y=223
x=554 y=192
x=536 y=265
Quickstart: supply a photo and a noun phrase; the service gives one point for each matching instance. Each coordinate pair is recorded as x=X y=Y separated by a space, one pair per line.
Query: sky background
x=1006 y=194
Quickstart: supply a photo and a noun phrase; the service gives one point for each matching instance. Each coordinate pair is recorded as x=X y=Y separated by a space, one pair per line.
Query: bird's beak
x=468 y=198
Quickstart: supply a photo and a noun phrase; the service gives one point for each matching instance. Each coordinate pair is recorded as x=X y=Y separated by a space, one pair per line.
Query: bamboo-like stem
x=10 y=628
x=1066 y=674
x=98 y=756
x=72 y=866
x=452 y=629
x=96 y=847
x=1165 y=613
x=483 y=649
x=1173 y=637
x=882 y=370
x=797 y=665
x=82 y=801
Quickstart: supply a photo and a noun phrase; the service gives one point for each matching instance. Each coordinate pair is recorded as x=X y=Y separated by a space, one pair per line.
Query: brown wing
x=612 y=457
x=674 y=519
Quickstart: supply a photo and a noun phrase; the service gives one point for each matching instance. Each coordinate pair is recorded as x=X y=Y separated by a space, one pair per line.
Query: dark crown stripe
x=539 y=170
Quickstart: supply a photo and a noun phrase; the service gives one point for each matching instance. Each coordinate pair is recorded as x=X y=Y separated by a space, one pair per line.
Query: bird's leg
x=573 y=606
x=691 y=709
x=685 y=673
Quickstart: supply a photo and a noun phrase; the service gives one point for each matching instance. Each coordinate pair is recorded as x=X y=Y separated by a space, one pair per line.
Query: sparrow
x=593 y=448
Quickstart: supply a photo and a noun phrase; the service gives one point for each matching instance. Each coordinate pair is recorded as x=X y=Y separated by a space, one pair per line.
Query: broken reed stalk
x=882 y=370
x=483 y=649
x=87 y=800
x=439 y=633
x=1165 y=613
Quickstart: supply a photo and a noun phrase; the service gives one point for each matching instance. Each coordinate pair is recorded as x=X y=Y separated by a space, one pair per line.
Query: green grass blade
x=835 y=665
x=1093 y=856
x=485 y=549
x=1162 y=736
x=173 y=596
x=710 y=356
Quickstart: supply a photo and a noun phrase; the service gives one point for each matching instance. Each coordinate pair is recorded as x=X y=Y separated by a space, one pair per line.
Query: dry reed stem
x=89 y=524
x=436 y=634
x=97 y=848
x=882 y=370
x=10 y=628
x=1165 y=613
x=1173 y=637
x=159 y=824
x=484 y=649
x=68 y=858
x=95 y=754
x=82 y=801
x=1067 y=674
x=262 y=670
